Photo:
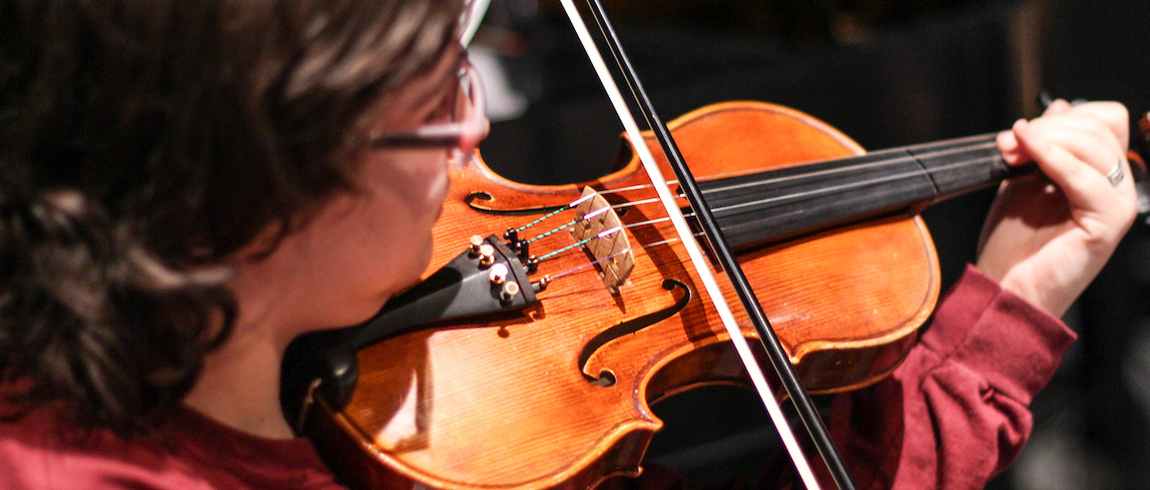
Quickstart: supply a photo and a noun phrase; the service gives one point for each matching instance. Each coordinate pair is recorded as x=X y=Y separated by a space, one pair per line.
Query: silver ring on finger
x=1116 y=174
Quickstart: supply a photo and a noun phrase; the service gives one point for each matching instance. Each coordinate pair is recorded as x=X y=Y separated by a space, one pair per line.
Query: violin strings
x=621 y=252
x=842 y=187
x=564 y=226
x=550 y=232
x=636 y=187
x=590 y=215
x=657 y=221
x=576 y=244
x=571 y=205
x=635 y=203
x=827 y=189
x=654 y=222
x=589 y=264
x=815 y=174
x=629 y=226
x=648 y=222
x=597 y=212
x=878 y=164
x=767 y=200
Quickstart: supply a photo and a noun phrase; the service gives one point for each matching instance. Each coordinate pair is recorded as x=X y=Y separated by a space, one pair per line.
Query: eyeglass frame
x=463 y=136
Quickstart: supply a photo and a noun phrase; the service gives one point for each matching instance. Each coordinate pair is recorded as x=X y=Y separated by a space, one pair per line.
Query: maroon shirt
x=954 y=414
x=951 y=416
x=189 y=452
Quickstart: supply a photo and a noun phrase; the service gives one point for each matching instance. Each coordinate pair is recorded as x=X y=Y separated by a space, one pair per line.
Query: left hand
x=1047 y=236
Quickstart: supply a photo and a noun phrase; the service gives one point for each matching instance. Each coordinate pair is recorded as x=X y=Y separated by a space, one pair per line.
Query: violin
x=553 y=317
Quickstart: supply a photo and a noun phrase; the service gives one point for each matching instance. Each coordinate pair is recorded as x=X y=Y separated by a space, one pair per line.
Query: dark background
x=887 y=73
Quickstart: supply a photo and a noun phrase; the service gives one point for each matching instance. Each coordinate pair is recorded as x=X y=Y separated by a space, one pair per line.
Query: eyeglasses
x=465 y=126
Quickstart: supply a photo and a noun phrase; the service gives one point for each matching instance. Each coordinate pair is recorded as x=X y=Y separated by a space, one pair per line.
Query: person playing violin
x=186 y=186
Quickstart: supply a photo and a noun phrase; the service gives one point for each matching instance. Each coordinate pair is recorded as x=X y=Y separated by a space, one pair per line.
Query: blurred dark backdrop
x=887 y=73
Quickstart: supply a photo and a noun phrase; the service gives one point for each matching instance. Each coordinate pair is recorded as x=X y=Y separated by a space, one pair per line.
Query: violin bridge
x=611 y=250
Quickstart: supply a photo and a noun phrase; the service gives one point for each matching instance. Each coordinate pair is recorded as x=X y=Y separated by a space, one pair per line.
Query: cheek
x=415 y=181
x=395 y=218
x=359 y=250
x=364 y=256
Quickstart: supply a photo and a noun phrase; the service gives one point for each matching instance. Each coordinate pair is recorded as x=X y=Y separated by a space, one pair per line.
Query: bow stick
x=805 y=407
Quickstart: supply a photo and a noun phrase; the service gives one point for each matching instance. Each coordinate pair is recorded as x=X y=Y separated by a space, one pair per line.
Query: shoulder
x=42 y=450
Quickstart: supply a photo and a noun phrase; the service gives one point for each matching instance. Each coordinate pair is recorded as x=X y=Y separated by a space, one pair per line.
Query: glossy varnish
x=559 y=395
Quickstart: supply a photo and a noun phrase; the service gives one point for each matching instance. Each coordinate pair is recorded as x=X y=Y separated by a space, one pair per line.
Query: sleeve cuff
x=1016 y=345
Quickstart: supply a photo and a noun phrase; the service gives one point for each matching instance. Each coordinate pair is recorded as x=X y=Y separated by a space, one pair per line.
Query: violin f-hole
x=607 y=378
x=482 y=201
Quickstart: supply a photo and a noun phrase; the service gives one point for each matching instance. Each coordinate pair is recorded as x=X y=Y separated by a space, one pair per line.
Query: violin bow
x=807 y=412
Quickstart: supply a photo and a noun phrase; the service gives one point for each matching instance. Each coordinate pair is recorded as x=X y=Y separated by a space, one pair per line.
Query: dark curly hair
x=142 y=143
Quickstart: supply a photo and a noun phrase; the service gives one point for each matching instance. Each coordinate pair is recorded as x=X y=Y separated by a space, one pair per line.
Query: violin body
x=559 y=394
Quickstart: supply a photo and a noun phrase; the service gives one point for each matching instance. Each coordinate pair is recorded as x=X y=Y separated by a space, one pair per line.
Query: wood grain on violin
x=555 y=391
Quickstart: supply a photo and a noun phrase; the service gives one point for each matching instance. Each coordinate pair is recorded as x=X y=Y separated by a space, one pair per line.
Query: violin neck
x=766 y=207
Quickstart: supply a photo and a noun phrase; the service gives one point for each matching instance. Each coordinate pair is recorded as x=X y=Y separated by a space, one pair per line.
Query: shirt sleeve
x=954 y=414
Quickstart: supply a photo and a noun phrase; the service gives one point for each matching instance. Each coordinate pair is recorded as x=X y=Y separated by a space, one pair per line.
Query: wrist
x=1047 y=294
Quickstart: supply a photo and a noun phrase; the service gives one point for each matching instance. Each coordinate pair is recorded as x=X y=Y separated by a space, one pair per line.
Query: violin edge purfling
x=503 y=403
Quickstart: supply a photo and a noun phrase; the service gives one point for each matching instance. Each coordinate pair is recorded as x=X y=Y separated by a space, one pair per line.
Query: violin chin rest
x=488 y=278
